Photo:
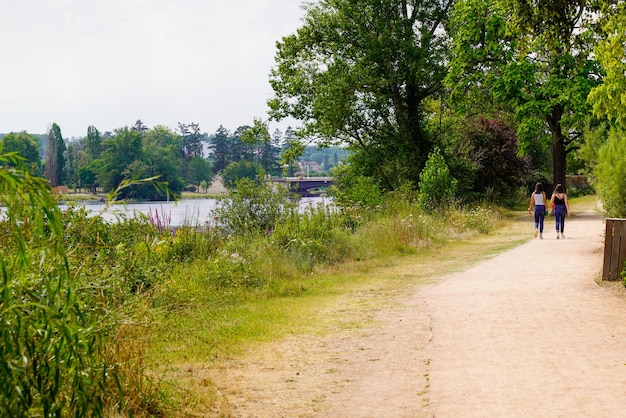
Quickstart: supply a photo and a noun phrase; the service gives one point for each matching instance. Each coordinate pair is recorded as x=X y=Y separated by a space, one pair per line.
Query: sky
x=108 y=63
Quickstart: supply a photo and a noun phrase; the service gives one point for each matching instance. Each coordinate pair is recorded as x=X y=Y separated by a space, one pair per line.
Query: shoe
x=557 y=236
x=562 y=236
x=536 y=232
x=541 y=236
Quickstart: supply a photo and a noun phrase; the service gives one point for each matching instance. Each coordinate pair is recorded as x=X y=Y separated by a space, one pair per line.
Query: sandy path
x=530 y=334
x=527 y=333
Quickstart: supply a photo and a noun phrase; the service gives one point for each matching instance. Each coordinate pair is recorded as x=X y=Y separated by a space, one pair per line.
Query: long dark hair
x=538 y=188
x=559 y=189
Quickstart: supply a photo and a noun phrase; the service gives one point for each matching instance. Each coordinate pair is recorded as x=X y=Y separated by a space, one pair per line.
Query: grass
x=162 y=306
x=204 y=334
x=336 y=298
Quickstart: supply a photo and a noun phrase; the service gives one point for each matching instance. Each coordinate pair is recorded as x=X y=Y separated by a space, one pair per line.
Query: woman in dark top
x=561 y=207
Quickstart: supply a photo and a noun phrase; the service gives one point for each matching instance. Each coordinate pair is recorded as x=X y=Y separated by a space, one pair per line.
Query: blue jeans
x=559 y=213
x=540 y=215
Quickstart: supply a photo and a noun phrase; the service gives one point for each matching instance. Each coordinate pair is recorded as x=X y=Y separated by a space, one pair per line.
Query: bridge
x=305 y=186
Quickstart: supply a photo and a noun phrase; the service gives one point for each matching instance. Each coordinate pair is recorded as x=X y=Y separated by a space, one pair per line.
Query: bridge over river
x=305 y=186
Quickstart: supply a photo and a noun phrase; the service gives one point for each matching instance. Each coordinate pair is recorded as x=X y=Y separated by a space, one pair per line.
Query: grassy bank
x=144 y=306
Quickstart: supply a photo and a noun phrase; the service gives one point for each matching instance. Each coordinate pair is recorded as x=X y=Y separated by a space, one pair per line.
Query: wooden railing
x=614 y=249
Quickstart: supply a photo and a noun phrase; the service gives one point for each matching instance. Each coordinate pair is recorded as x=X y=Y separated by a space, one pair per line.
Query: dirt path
x=527 y=333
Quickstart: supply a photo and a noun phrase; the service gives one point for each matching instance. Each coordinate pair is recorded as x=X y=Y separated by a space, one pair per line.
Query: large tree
x=219 y=146
x=357 y=73
x=26 y=145
x=93 y=143
x=609 y=99
x=55 y=160
x=121 y=159
x=531 y=55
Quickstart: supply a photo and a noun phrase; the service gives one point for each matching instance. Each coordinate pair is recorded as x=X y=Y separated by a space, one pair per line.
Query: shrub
x=436 y=185
x=51 y=347
x=610 y=174
x=253 y=207
x=351 y=189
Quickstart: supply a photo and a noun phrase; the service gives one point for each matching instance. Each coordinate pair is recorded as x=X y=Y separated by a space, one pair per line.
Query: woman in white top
x=538 y=200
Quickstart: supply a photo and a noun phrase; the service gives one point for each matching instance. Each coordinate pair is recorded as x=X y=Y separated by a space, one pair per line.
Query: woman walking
x=561 y=207
x=538 y=200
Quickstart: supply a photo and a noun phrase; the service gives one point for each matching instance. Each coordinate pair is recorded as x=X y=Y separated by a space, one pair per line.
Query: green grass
x=220 y=325
x=154 y=308
x=333 y=298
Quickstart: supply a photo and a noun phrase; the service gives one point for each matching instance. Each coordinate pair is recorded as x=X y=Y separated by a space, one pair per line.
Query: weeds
x=91 y=311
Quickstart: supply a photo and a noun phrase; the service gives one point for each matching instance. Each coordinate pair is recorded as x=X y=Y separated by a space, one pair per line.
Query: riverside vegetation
x=98 y=318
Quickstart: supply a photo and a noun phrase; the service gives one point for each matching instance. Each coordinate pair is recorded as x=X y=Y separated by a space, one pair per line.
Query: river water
x=194 y=212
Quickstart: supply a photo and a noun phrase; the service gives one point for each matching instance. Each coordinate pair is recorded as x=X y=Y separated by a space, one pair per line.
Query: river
x=194 y=212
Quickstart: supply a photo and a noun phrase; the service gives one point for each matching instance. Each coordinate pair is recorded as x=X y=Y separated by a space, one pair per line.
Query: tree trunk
x=559 y=153
x=558 y=158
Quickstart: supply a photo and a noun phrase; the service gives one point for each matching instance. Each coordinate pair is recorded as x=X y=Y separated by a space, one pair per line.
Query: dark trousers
x=540 y=215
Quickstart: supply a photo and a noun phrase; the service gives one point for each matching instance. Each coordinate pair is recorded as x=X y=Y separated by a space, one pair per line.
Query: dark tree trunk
x=559 y=142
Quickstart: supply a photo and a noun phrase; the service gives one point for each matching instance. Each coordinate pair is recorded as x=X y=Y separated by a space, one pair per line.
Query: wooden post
x=614 y=249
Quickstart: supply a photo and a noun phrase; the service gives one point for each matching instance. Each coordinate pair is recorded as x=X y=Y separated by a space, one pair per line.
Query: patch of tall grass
x=103 y=318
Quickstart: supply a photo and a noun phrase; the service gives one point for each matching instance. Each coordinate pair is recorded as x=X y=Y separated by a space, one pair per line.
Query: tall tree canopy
x=531 y=55
x=609 y=99
x=55 y=161
x=25 y=145
x=357 y=73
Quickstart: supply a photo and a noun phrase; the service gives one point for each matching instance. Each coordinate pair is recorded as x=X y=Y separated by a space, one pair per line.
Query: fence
x=614 y=249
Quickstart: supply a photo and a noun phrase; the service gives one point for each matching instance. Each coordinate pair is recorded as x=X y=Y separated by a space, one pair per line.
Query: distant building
x=309 y=166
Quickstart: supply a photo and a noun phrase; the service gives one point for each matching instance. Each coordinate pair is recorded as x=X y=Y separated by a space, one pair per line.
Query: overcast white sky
x=108 y=63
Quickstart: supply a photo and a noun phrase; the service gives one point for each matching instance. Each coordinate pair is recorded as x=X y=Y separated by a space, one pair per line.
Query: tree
x=357 y=73
x=240 y=150
x=26 y=145
x=490 y=146
x=258 y=137
x=609 y=98
x=93 y=143
x=610 y=174
x=199 y=171
x=538 y=63
x=140 y=127
x=55 y=161
x=219 y=148
x=437 y=186
x=121 y=151
x=191 y=140
x=236 y=171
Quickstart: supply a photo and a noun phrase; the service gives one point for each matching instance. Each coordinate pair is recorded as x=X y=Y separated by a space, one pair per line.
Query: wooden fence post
x=614 y=249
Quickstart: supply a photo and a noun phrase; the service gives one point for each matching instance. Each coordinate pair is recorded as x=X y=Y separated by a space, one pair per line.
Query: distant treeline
x=185 y=158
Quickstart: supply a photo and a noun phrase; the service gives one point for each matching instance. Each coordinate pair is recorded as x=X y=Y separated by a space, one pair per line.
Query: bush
x=437 y=187
x=253 y=207
x=610 y=174
x=351 y=189
x=51 y=344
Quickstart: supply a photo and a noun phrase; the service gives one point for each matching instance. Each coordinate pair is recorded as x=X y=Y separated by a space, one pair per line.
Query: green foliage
x=356 y=73
x=55 y=160
x=52 y=357
x=314 y=237
x=253 y=207
x=539 y=64
x=352 y=189
x=610 y=174
x=437 y=186
x=236 y=171
x=91 y=291
x=26 y=145
x=609 y=98
x=490 y=147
